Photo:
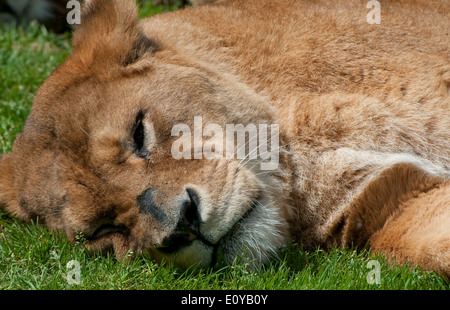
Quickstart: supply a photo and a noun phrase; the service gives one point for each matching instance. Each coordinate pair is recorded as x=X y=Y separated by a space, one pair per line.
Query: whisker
x=235 y=153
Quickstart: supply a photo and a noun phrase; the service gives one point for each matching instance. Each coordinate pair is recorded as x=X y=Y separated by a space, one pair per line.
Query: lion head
x=96 y=154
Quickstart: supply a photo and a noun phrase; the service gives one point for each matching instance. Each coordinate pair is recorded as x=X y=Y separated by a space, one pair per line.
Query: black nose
x=187 y=229
x=190 y=212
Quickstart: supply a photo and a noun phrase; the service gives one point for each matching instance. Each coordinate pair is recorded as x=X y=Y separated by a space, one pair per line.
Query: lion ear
x=8 y=200
x=109 y=35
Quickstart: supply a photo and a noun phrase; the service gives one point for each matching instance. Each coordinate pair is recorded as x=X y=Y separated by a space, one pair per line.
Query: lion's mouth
x=181 y=241
x=237 y=226
x=186 y=239
x=253 y=207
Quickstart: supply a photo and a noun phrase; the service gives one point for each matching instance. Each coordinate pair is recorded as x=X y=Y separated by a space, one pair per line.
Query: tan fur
x=424 y=242
x=363 y=112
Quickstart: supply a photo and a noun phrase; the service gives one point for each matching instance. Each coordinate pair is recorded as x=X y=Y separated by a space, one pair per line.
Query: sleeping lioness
x=351 y=148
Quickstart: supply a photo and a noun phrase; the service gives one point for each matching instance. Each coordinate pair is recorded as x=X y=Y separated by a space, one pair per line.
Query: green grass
x=26 y=59
x=31 y=257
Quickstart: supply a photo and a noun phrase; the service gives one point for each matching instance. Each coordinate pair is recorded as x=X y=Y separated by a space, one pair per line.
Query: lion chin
x=236 y=127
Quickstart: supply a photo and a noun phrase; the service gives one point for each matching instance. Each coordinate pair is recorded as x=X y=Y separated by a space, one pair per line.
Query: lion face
x=96 y=155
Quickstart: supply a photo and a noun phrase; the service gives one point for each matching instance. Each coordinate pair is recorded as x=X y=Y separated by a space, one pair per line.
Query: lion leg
x=419 y=232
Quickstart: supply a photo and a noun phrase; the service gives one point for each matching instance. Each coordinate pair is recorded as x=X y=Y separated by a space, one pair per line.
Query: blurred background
x=52 y=13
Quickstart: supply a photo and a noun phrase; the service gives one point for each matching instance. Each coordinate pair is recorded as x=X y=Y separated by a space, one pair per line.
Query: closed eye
x=139 y=137
x=105 y=230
